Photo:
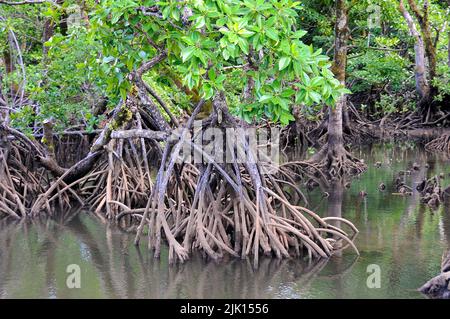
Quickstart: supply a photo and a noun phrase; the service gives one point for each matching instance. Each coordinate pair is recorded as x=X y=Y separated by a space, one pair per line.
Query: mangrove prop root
x=333 y=163
x=217 y=208
x=441 y=144
x=21 y=182
x=231 y=209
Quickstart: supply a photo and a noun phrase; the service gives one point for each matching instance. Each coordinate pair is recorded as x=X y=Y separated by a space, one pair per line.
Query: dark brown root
x=120 y=180
x=22 y=181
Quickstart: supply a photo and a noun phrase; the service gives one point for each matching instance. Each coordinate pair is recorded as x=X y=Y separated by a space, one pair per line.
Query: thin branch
x=385 y=49
x=137 y=133
x=31 y=2
x=161 y=102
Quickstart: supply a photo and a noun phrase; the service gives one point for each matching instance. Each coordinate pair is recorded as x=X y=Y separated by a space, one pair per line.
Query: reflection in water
x=122 y=270
x=336 y=192
x=399 y=234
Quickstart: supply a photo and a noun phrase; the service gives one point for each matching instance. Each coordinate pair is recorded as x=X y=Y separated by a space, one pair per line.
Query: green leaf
x=287 y=92
x=265 y=98
x=245 y=33
x=285 y=118
x=243 y=44
x=226 y=54
x=284 y=62
x=317 y=81
x=175 y=14
x=316 y=97
x=298 y=34
x=123 y=93
x=208 y=91
x=108 y=59
x=212 y=75
x=199 y=22
x=272 y=33
x=187 y=53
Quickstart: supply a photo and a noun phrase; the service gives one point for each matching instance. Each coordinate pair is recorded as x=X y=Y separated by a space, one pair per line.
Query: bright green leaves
x=199 y=22
x=298 y=34
x=214 y=82
x=187 y=53
x=272 y=34
x=220 y=46
x=284 y=62
x=265 y=98
x=276 y=101
x=119 y=9
x=243 y=44
x=236 y=35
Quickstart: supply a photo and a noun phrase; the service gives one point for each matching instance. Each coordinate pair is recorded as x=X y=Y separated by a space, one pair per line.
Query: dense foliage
x=268 y=56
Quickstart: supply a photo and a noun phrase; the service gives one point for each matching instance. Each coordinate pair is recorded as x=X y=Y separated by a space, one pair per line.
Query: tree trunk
x=335 y=131
x=335 y=119
x=448 y=49
x=48 y=32
x=423 y=47
x=424 y=24
x=333 y=157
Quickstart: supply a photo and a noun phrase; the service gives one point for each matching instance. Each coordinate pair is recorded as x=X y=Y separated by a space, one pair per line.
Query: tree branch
x=139 y=133
x=162 y=103
x=31 y=2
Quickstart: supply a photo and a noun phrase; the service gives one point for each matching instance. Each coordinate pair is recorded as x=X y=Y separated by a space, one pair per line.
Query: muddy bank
x=423 y=135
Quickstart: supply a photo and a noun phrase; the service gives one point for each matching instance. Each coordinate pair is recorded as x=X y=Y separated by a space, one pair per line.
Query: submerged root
x=431 y=192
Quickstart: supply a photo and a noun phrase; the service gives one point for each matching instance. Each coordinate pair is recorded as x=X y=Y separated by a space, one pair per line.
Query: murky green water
x=404 y=238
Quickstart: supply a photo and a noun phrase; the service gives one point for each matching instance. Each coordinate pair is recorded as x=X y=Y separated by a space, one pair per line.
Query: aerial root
x=119 y=181
x=219 y=209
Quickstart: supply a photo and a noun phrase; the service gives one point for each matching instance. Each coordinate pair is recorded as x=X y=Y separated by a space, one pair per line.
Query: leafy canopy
x=218 y=45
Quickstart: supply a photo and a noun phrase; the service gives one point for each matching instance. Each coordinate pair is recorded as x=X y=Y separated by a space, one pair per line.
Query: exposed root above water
x=238 y=208
x=336 y=162
x=441 y=144
x=231 y=208
x=438 y=287
x=431 y=192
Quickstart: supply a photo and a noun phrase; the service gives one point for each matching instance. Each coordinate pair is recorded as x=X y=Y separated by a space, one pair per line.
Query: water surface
x=403 y=237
